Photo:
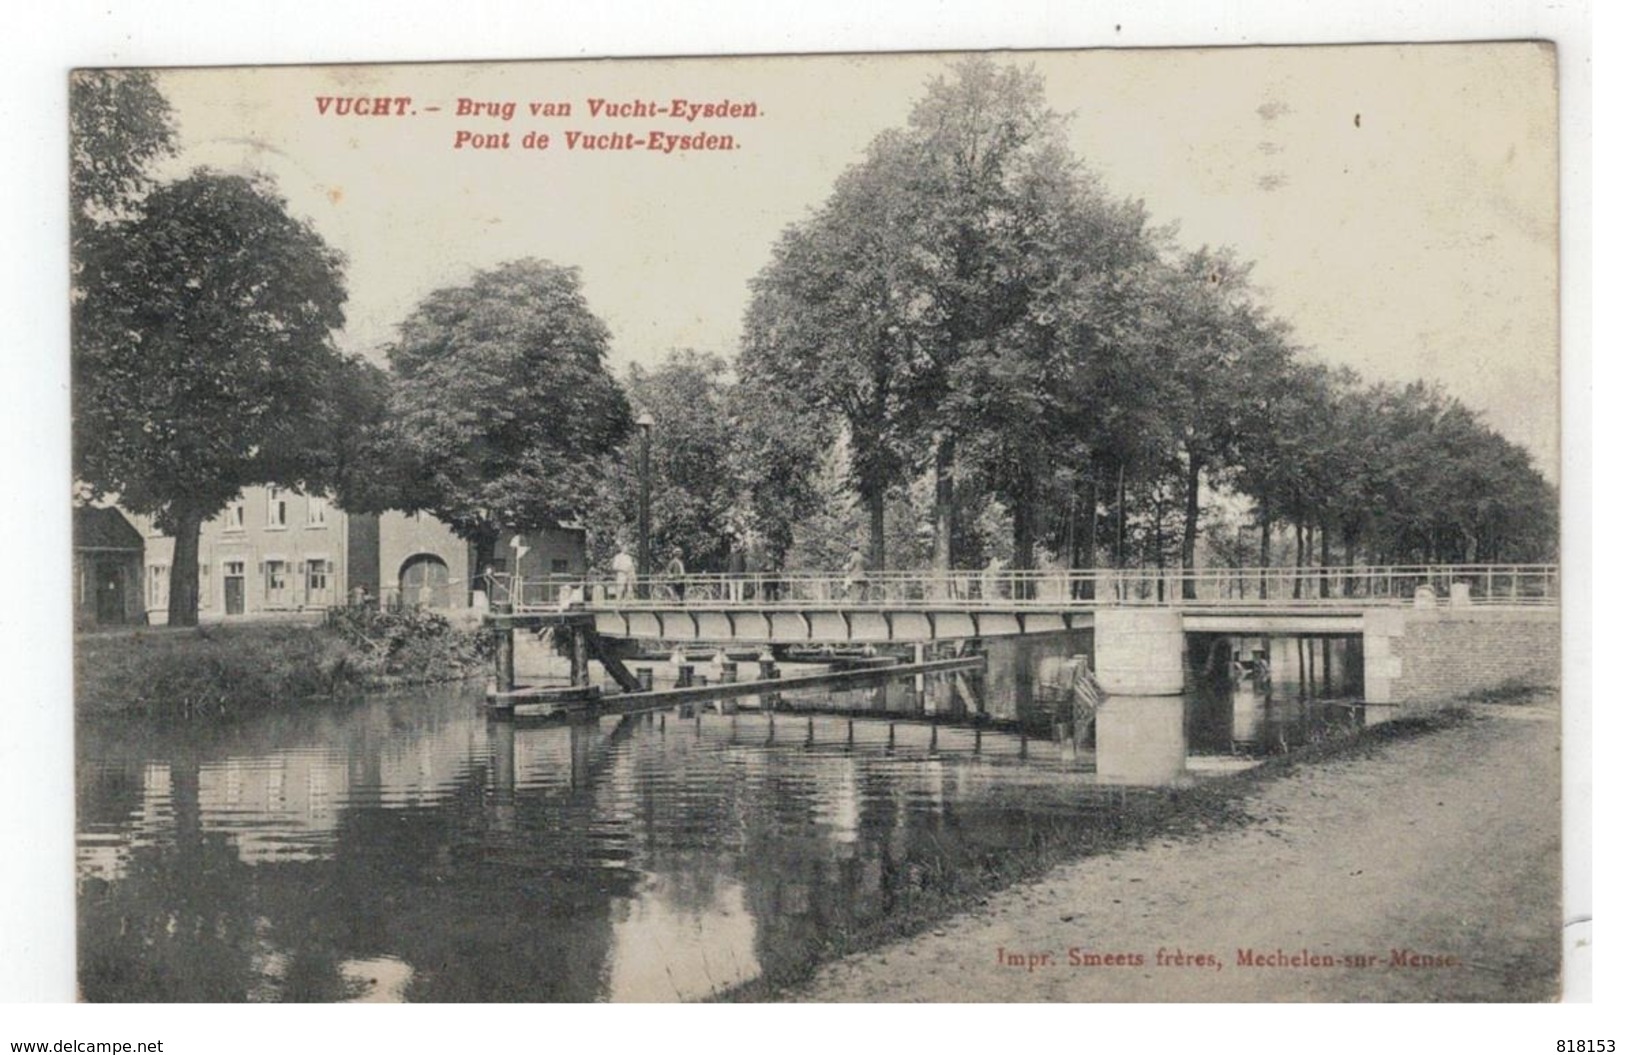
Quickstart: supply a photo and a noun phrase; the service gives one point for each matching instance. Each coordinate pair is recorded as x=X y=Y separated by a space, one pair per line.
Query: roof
x=104 y=529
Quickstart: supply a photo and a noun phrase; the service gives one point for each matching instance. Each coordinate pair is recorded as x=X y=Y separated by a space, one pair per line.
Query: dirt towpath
x=1436 y=857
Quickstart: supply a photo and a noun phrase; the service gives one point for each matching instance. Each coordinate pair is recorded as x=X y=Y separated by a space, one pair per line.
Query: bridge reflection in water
x=408 y=849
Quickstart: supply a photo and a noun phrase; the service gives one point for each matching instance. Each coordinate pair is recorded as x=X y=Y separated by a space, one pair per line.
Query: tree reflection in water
x=407 y=849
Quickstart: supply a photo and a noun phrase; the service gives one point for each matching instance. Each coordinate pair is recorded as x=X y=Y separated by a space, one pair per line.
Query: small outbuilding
x=107 y=560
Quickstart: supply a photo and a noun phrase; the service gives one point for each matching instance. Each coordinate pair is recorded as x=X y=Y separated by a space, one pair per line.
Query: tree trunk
x=1122 y=516
x=485 y=555
x=1091 y=503
x=1325 y=561
x=1265 y=529
x=1193 y=508
x=183 y=568
x=877 y=530
x=1159 y=550
x=1022 y=557
x=942 y=549
x=1297 y=577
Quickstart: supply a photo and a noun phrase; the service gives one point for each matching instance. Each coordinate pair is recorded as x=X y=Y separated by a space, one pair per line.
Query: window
x=276 y=582
x=316 y=577
x=276 y=508
x=205 y=595
x=234 y=515
x=317 y=511
x=157 y=586
x=559 y=567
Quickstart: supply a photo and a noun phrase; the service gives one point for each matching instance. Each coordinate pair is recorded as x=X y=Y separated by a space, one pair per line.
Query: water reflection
x=406 y=849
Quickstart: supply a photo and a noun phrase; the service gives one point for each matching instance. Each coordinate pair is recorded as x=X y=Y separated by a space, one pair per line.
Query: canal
x=405 y=848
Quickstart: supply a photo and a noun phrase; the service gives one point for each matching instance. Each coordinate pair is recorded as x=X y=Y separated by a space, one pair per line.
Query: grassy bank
x=1141 y=817
x=223 y=671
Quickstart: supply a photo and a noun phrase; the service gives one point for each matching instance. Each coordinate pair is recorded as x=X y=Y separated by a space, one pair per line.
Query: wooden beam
x=662 y=699
x=612 y=663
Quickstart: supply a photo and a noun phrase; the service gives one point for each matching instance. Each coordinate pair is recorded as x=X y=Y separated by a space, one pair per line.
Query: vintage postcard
x=1071 y=526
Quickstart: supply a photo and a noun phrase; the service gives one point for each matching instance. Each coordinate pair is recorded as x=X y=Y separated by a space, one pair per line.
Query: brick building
x=277 y=552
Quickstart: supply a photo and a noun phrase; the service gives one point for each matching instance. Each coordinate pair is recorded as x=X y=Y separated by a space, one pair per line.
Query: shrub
x=225 y=670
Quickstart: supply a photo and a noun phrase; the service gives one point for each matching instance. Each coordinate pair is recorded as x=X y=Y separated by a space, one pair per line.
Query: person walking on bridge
x=626 y=573
x=857 y=576
x=675 y=573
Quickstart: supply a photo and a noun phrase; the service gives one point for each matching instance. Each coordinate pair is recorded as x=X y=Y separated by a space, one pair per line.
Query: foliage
x=970 y=303
x=696 y=493
x=119 y=124
x=410 y=644
x=228 y=671
x=779 y=449
x=502 y=414
x=825 y=323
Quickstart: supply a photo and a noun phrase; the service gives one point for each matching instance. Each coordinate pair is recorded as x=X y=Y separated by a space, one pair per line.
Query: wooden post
x=579 y=674
x=919 y=679
x=505 y=660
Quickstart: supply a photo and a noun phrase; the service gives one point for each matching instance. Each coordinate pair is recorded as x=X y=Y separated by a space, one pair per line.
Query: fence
x=1486 y=584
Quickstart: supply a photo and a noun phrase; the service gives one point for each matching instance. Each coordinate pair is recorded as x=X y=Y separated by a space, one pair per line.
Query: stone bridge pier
x=1140 y=651
x=1416 y=658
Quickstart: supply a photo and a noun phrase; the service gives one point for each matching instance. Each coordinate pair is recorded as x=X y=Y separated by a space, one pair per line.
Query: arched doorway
x=426 y=581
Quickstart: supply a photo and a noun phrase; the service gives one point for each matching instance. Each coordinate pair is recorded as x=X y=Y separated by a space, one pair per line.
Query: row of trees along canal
x=971 y=345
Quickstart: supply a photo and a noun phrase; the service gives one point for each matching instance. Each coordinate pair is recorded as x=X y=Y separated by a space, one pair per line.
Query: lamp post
x=645 y=425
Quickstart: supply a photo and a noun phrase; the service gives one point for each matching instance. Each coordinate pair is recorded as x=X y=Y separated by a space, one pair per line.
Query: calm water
x=407 y=849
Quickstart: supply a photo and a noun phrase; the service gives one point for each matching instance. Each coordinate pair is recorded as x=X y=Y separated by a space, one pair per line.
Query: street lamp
x=646 y=424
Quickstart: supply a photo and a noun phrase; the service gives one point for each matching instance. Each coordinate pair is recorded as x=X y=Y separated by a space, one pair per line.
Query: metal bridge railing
x=1363 y=586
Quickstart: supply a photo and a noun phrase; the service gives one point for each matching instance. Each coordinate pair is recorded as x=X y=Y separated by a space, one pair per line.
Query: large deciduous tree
x=503 y=413
x=696 y=496
x=203 y=359
x=934 y=250
x=828 y=321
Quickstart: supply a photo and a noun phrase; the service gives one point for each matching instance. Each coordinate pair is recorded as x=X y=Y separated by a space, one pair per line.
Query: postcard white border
x=35 y=760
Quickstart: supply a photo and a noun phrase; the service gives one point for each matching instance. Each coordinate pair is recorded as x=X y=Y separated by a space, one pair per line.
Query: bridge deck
x=929 y=606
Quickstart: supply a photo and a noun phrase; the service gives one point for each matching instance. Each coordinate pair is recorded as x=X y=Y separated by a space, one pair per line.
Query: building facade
x=277 y=553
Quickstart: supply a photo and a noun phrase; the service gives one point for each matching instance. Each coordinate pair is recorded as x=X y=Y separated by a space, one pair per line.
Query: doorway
x=426 y=581
x=109 y=593
x=233 y=580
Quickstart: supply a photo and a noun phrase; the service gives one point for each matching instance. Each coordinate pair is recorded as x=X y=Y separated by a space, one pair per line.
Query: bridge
x=1139 y=617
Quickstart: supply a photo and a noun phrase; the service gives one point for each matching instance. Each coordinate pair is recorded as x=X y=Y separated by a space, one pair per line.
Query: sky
x=1399 y=202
